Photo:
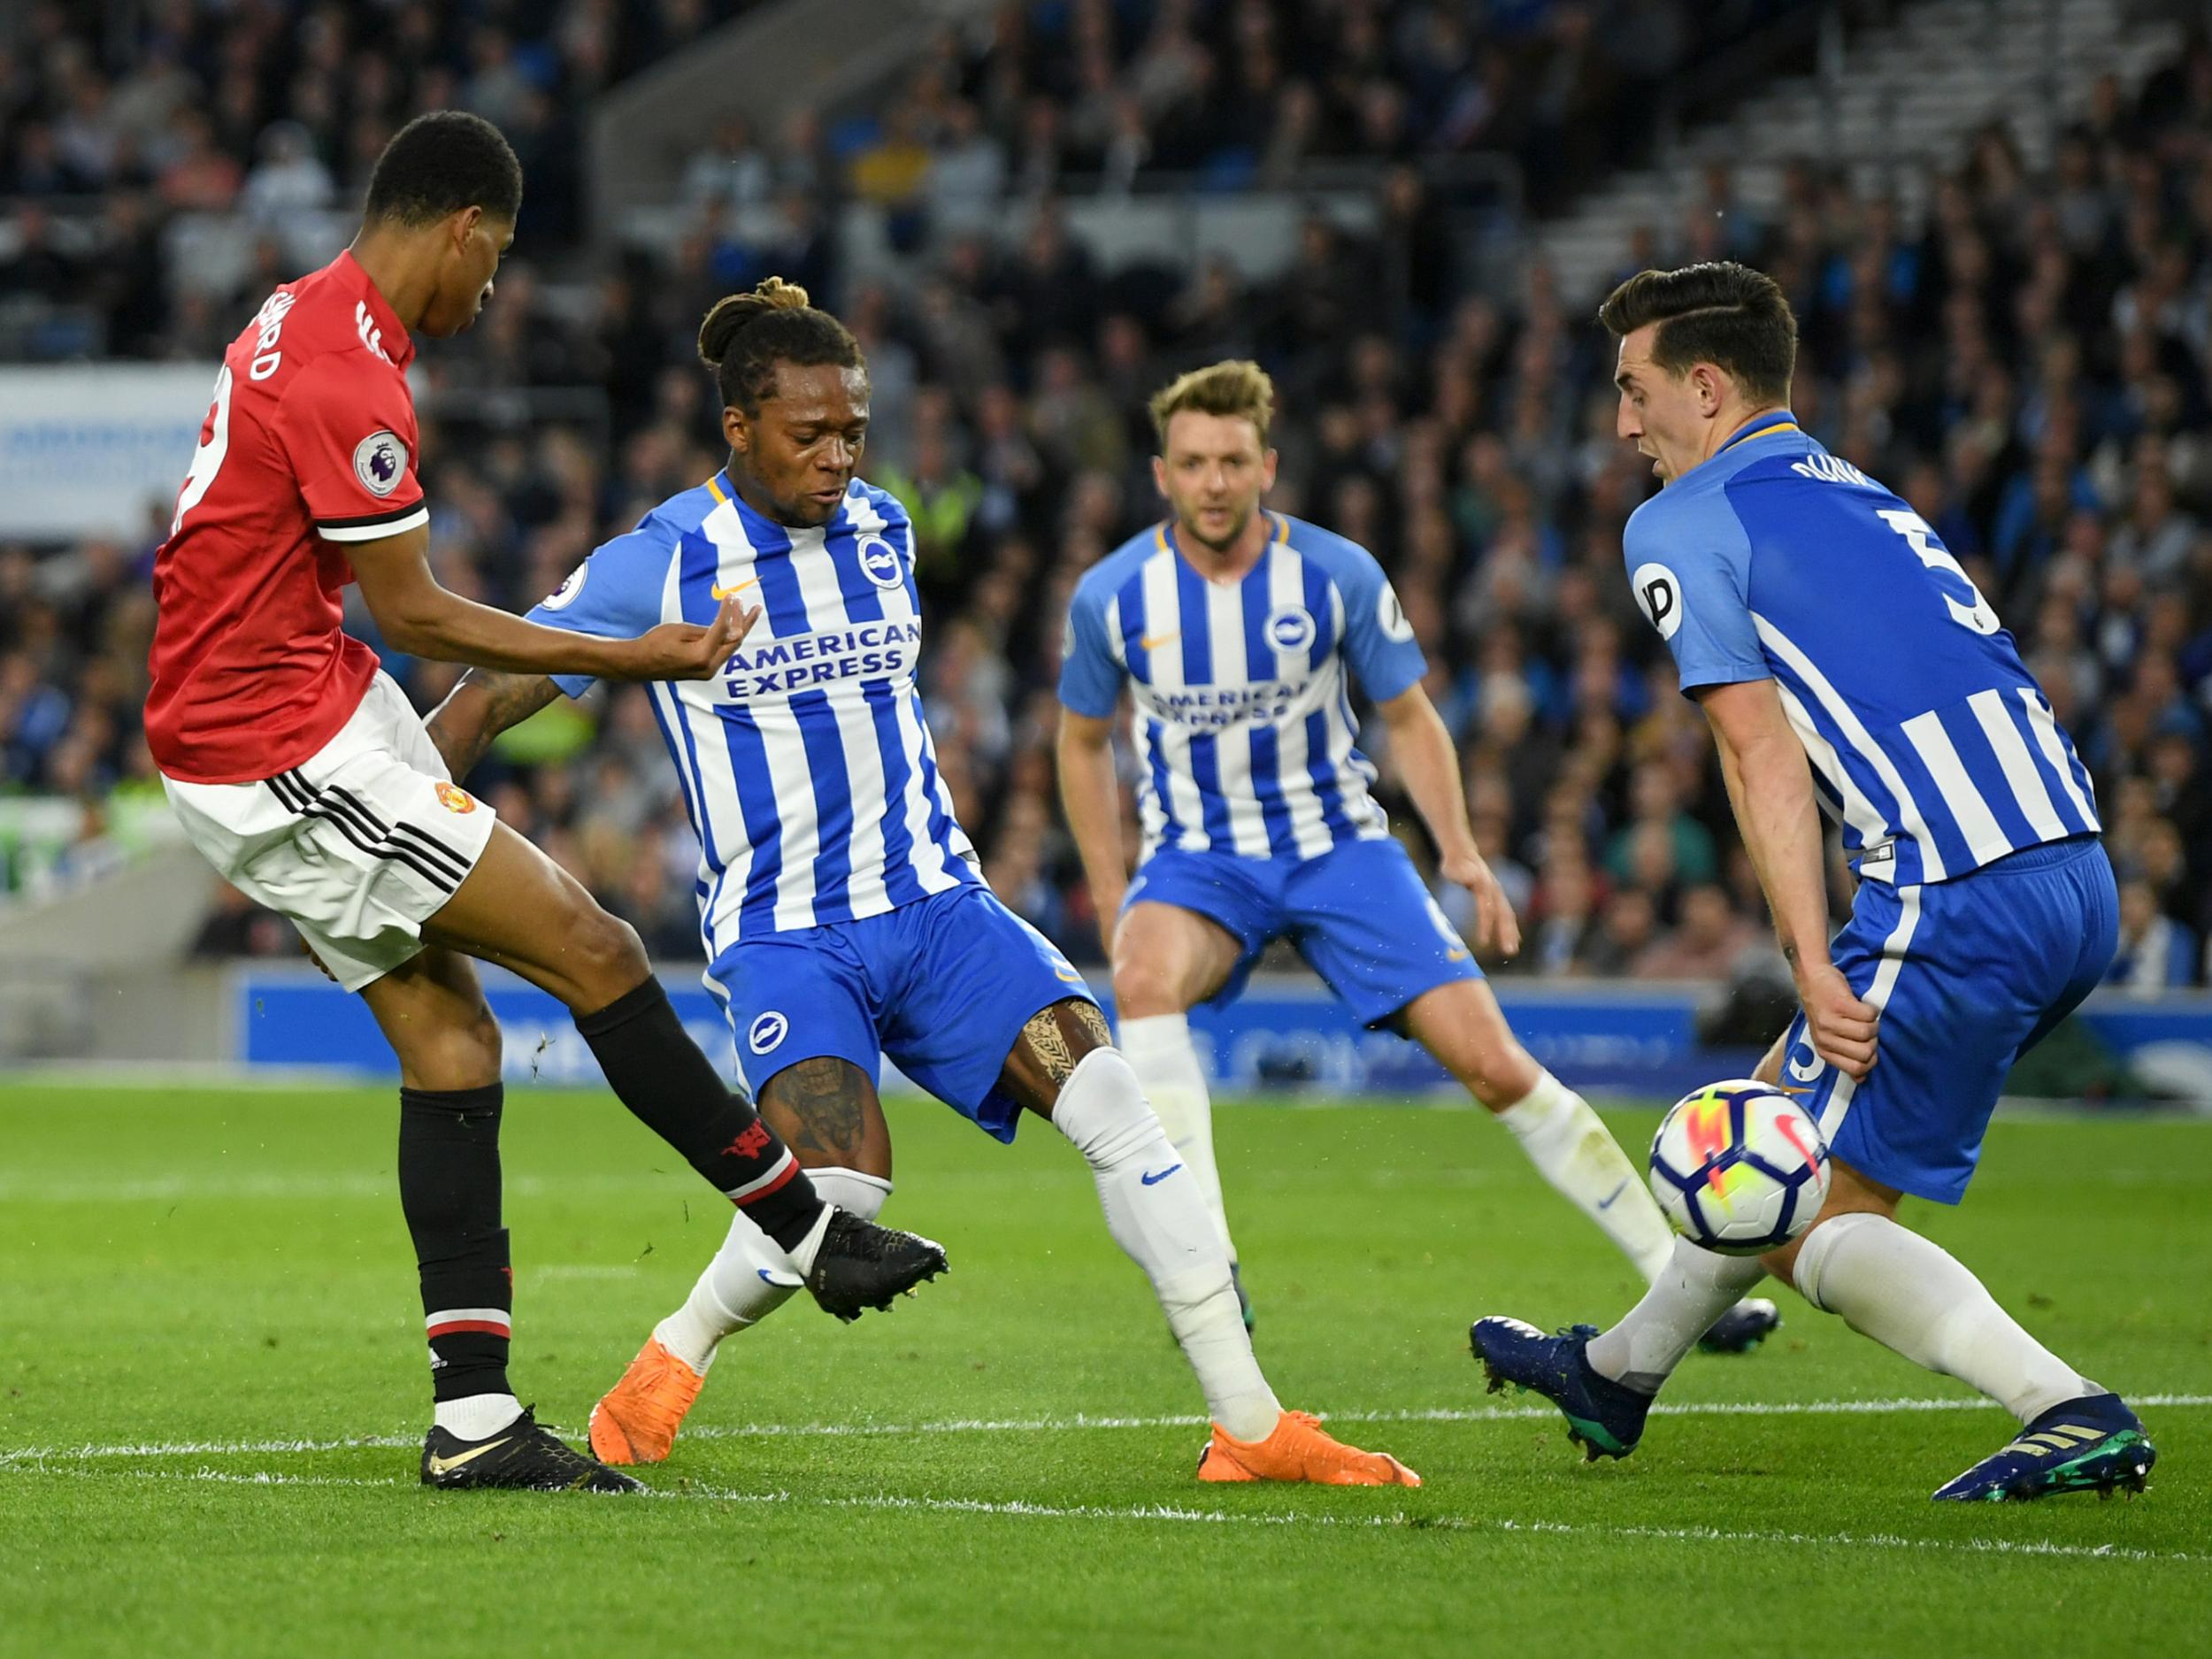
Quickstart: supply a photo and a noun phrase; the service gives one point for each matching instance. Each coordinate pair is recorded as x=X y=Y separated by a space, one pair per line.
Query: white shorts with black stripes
x=358 y=845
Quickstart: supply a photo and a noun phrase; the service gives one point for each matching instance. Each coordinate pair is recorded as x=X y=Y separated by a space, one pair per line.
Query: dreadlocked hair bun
x=746 y=335
x=731 y=314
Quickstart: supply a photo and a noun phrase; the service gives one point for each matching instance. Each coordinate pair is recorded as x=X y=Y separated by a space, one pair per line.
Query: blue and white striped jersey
x=1929 y=740
x=1244 y=725
x=806 y=769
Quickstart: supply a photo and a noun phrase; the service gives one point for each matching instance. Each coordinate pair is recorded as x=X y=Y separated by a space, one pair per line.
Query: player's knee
x=604 y=957
x=1145 y=988
x=449 y=1051
x=481 y=1034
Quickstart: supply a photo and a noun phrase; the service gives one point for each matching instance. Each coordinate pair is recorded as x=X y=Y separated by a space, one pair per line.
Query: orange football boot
x=636 y=1420
x=1296 y=1450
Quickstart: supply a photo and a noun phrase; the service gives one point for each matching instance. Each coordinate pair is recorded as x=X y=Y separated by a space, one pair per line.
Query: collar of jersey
x=399 y=345
x=1165 y=533
x=1760 y=426
x=725 y=494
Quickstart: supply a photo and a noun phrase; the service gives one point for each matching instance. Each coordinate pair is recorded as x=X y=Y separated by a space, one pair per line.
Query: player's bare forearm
x=1091 y=799
x=1429 y=766
x=477 y=710
x=417 y=615
x=1770 y=785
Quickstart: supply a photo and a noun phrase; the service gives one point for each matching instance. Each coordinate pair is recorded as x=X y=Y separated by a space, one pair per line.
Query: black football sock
x=674 y=1090
x=449 y=1186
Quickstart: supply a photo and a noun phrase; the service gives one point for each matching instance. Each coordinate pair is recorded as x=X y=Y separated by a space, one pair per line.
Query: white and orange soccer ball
x=1739 y=1167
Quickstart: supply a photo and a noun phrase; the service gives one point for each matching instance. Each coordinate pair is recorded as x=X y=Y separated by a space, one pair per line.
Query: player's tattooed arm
x=484 y=704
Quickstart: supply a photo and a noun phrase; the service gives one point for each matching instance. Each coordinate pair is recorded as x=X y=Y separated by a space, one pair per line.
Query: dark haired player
x=1986 y=908
x=302 y=773
x=839 y=901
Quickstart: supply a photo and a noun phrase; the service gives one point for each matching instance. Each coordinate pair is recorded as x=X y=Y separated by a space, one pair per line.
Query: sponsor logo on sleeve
x=379 y=461
x=1659 y=597
x=1390 y=616
x=564 y=595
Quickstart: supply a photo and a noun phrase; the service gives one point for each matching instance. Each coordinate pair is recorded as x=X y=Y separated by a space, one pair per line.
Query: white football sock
x=1571 y=1148
x=751 y=1275
x=1154 y=1210
x=1914 y=1297
x=1159 y=1050
x=477 y=1417
x=1695 y=1287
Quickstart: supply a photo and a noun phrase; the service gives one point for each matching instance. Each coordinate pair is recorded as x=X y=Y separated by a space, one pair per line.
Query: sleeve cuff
x=1730 y=674
x=376 y=526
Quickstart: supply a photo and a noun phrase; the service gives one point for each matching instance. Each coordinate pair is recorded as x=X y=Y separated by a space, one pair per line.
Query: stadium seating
x=2019 y=345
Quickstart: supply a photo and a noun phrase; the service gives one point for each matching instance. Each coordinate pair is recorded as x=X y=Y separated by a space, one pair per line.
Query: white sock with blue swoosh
x=1159 y=1050
x=751 y=1276
x=1158 y=1215
x=1571 y=1148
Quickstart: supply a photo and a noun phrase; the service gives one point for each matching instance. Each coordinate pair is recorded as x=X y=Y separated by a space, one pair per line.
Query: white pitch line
x=1069 y=1425
x=1024 y=1508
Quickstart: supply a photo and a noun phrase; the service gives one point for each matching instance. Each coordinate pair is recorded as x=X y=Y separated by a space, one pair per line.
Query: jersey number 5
x=1976 y=615
x=207 y=460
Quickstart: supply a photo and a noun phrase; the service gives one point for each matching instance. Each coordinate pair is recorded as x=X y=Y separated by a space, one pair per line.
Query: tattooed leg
x=828 y=1113
x=1051 y=1045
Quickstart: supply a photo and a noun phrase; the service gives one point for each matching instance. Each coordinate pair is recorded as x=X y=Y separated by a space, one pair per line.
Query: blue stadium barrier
x=1284 y=1035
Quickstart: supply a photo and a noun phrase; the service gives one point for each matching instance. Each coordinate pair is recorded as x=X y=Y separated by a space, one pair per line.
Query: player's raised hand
x=1843 y=1029
x=684 y=651
x=1496 y=927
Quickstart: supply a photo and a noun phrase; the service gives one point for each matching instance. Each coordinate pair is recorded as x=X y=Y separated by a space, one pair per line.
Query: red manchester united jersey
x=309 y=444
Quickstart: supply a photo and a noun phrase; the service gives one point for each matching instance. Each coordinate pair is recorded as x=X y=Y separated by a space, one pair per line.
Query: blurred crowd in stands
x=2030 y=366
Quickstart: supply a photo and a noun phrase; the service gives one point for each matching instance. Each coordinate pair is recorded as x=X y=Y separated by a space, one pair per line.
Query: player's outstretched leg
x=1064 y=1068
x=1913 y=1297
x=520 y=909
x=1462 y=1025
x=638 y=1419
x=1604 y=1383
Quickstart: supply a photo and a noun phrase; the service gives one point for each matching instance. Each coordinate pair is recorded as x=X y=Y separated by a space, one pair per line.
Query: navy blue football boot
x=1603 y=1417
x=2093 y=1444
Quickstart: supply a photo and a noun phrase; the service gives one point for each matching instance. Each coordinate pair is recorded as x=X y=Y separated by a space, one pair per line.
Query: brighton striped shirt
x=806 y=769
x=1244 y=729
x=1929 y=741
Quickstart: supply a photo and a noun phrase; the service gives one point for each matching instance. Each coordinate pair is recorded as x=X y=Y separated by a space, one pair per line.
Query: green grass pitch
x=212 y=1388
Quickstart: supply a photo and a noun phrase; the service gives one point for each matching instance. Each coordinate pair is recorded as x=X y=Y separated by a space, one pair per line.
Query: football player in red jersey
x=305 y=777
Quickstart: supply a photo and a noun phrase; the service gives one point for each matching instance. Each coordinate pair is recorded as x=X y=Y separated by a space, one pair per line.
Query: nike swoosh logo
x=1455 y=956
x=720 y=592
x=1607 y=1202
x=447 y=1465
x=1154 y=1181
x=1153 y=642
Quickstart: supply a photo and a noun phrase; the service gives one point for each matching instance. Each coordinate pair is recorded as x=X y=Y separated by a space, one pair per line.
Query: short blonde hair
x=1239 y=387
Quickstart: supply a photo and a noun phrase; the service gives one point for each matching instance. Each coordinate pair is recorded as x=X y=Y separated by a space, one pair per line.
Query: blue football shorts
x=1969 y=974
x=1357 y=913
x=943 y=986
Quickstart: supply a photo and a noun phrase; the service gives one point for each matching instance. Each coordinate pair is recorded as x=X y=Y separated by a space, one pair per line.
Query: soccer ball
x=1739 y=1167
